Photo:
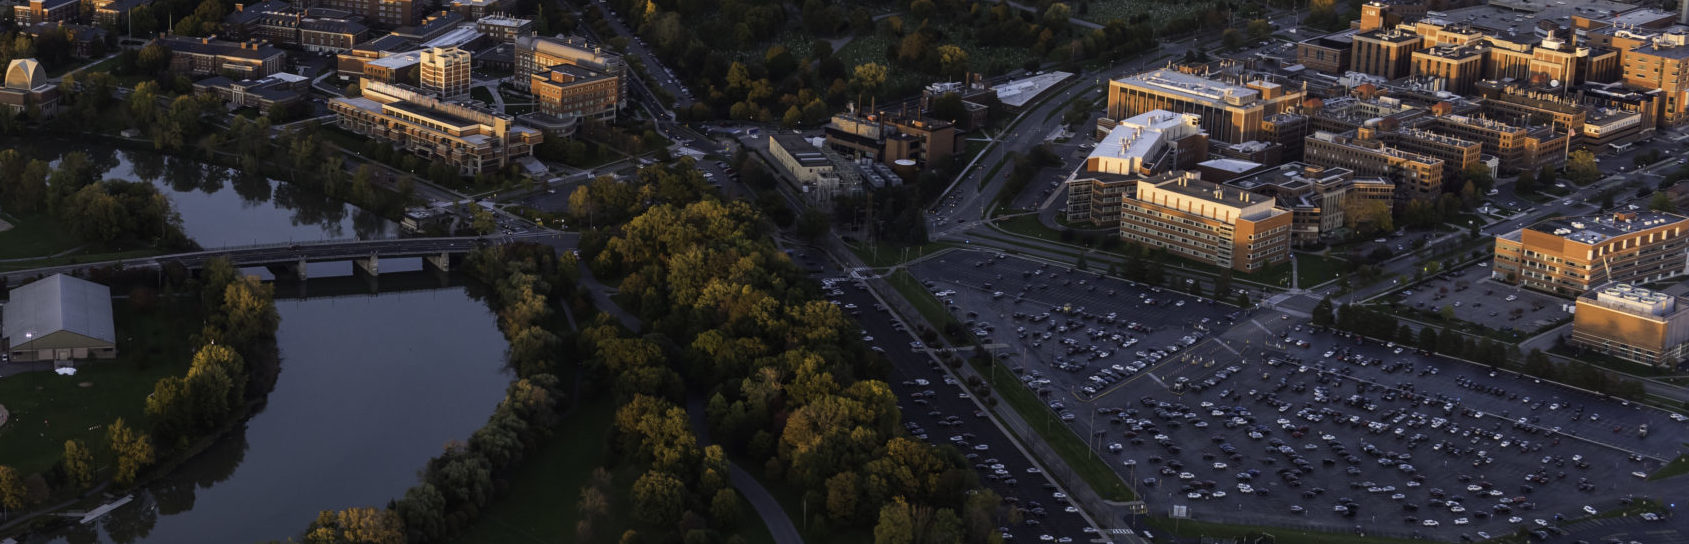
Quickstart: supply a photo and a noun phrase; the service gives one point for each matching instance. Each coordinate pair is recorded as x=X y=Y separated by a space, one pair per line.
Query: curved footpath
x=779 y=524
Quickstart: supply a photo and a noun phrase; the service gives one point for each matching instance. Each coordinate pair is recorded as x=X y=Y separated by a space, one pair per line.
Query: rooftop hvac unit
x=1577 y=224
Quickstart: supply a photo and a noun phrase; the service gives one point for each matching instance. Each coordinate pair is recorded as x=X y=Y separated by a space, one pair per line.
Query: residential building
x=280 y=89
x=59 y=318
x=572 y=91
x=503 y=28
x=210 y=56
x=1386 y=52
x=809 y=169
x=1317 y=197
x=1570 y=255
x=1152 y=143
x=535 y=54
x=1231 y=113
x=444 y=71
x=470 y=138
x=1206 y=222
x=1416 y=176
x=28 y=90
x=1632 y=323
x=32 y=12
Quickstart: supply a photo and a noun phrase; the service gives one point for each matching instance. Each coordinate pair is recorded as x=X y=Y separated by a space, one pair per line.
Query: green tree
x=1581 y=168
x=896 y=524
x=360 y=525
x=1231 y=38
x=724 y=509
x=1259 y=29
x=868 y=77
x=483 y=223
x=842 y=497
x=14 y=495
x=658 y=498
x=1322 y=312
x=1661 y=202
x=133 y=451
x=1480 y=176
x=79 y=464
x=1526 y=184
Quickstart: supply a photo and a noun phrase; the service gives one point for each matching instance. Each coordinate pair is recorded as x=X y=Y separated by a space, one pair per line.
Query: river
x=221 y=207
x=370 y=388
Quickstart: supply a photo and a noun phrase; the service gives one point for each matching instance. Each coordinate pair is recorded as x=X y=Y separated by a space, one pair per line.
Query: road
x=779 y=524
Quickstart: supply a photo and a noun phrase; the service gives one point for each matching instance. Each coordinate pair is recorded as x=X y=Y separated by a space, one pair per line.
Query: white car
x=1429 y=523
x=1460 y=521
x=1515 y=519
x=1589 y=510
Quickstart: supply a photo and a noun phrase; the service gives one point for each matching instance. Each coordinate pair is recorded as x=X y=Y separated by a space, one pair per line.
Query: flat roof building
x=535 y=54
x=1632 y=323
x=810 y=169
x=1415 y=176
x=1229 y=112
x=573 y=91
x=1318 y=197
x=59 y=318
x=210 y=56
x=1570 y=255
x=1151 y=143
x=1207 y=222
x=465 y=136
x=444 y=71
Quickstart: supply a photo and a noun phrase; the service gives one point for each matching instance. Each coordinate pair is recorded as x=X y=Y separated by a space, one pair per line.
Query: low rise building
x=1318 y=197
x=576 y=92
x=1516 y=147
x=281 y=89
x=536 y=54
x=85 y=41
x=1145 y=145
x=281 y=23
x=812 y=172
x=31 y=12
x=1206 y=222
x=1330 y=54
x=470 y=138
x=28 y=90
x=504 y=28
x=113 y=13
x=211 y=56
x=889 y=138
x=1415 y=176
x=476 y=9
x=1568 y=256
x=1632 y=323
x=1230 y=112
x=59 y=318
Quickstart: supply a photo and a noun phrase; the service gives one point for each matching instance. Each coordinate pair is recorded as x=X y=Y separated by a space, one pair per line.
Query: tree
x=1231 y=38
x=359 y=525
x=1259 y=29
x=724 y=509
x=133 y=451
x=952 y=61
x=868 y=77
x=1581 y=168
x=1322 y=312
x=483 y=223
x=842 y=497
x=1526 y=183
x=13 y=494
x=896 y=525
x=1367 y=215
x=1661 y=202
x=658 y=498
x=1479 y=175
x=79 y=464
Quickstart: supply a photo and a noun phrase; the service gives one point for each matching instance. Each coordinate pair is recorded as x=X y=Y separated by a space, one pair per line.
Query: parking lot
x=1476 y=298
x=1261 y=420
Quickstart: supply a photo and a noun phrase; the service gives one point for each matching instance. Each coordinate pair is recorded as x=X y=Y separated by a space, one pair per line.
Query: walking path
x=53 y=256
x=779 y=524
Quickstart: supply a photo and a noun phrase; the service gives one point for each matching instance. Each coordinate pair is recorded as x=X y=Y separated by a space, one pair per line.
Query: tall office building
x=1387 y=53
x=445 y=70
x=1632 y=323
x=1207 y=222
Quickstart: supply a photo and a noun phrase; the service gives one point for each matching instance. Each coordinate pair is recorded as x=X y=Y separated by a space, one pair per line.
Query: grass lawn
x=1677 y=466
x=985 y=180
x=1313 y=269
x=47 y=409
x=34 y=235
x=482 y=94
x=1072 y=450
x=1194 y=529
x=539 y=506
x=78 y=258
x=1029 y=226
x=883 y=254
x=917 y=295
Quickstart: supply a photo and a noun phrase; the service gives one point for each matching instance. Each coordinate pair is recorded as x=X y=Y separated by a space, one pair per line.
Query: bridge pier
x=296 y=271
x=441 y=262
x=370 y=265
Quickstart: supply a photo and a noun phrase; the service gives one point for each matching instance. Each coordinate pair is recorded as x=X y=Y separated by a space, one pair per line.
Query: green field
x=1677 y=466
x=539 y=506
x=1073 y=451
x=1108 y=10
x=47 y=409
x=34 y=235
x=917 y=295
x=1313 y=269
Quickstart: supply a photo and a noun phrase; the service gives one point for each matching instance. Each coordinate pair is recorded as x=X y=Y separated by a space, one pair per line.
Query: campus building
x=810 y=169
x=210 y=56
x=890 y=137
x=59 y=318
x=1317 y=197
x=1386 y=52
x=1231 y=113
x=1516 y=147
x=1331 y=53
x=445 y=71
x=472 y=139
x=535 y=54
x=1632 y=323
x=33 y=12
x=1144 y=145
x=280 y=89
x=281 y=23
x=568 y=91
x=27 y=89
x=1570 y=255
x=387 y=13
x=1415 y=176
x=1206 y=222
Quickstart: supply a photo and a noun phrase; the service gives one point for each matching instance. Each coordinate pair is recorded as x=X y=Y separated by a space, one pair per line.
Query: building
x=472 y=139
x=1386 y=52
x=575 y=92
x=351 y=64
x=281 y=89
x=1631 y=323
x=34 y=12
x=1415 y=176
x=535 y=54
x=1230 y=113
x=1570 y=255
x=1455 y=68
x=809 y=168
x=1516 y=147
x=1661 y=64
x=85 y=41
x=387 y=13
x=1330 y=53
x=27 y=89
x=502 y=28
x=890 y=137
x=115 y=13
x=433 y=27
x=59 y=318
x=444 y=71
x=280 y=23
x=400 y=68
x=1152 y=143
x=210 y=56
x=1317 y=197
x=476 y=9
x=1206 y=222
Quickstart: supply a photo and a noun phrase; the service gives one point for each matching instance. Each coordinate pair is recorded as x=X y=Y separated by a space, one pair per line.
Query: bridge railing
x=325 y=243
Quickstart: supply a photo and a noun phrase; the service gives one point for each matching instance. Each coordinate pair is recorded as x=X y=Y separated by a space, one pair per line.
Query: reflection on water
x=221 y=207
x=370 y=388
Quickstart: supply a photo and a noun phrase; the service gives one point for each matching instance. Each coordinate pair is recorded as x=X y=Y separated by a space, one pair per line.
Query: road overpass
x=293 y=257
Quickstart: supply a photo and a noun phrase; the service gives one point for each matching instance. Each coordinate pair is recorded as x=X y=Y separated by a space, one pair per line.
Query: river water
x=370 y=387
x=221 y=207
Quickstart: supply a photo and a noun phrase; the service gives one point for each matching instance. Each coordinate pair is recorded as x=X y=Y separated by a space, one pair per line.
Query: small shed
x=59 y=318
